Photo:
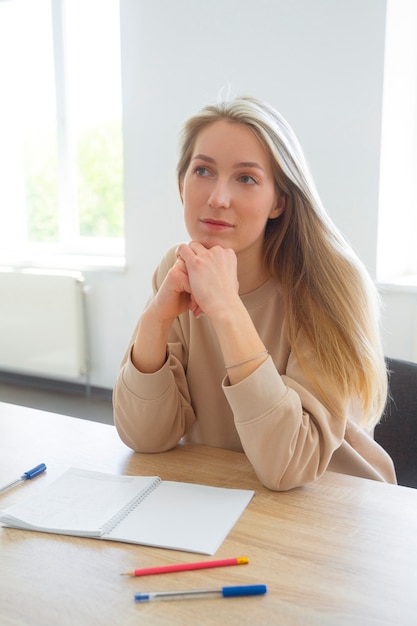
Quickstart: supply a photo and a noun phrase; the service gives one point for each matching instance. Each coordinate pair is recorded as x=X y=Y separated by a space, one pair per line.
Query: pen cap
x=244 y=590
x=35 y=471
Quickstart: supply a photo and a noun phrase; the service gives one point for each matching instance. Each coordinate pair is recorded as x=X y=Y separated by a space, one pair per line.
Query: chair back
x=397 y=430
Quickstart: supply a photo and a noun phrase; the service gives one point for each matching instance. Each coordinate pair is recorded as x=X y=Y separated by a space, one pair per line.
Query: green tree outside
x=100 y=184
x=100 y=176
x=41 y=184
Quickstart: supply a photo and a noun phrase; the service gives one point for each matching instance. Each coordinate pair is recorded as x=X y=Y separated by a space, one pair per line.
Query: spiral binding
x=129 y=507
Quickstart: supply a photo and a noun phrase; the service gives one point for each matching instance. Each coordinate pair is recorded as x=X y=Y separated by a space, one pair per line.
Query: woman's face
x=228 y=189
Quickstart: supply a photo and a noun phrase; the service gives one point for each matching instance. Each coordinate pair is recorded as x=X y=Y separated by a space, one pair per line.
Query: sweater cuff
x=256 y=395
x=147 y=386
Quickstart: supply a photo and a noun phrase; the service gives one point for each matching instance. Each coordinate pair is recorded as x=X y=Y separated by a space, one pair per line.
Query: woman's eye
x=201 y=171
x=248 y=180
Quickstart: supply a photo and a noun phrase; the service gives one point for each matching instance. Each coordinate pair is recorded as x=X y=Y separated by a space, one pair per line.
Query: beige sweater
x=289 y=437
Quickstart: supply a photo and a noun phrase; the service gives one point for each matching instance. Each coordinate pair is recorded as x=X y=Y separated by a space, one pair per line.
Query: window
x=61 y=164
x=397 y=249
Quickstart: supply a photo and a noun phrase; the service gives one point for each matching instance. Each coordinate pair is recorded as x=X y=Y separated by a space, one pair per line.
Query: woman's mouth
x=217 y=225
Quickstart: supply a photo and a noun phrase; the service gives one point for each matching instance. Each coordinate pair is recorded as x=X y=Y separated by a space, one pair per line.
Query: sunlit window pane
x=61 y=157
x=397 y=250
x=28 y=183
x=94 y=113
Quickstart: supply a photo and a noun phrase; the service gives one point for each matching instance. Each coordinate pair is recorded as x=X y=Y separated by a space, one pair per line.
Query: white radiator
x=43 y=328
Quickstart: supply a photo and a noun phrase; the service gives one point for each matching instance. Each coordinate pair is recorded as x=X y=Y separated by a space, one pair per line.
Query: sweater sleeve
x=152 y=412
x=287 y=434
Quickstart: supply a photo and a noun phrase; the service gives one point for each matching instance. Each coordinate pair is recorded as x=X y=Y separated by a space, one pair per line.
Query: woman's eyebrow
x=249 y=164
x=204 y=157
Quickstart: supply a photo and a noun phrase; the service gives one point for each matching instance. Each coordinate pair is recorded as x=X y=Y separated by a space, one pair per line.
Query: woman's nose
x=220 y=195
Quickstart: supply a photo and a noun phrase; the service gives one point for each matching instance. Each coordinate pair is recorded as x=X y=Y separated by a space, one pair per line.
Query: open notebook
x=134 y=509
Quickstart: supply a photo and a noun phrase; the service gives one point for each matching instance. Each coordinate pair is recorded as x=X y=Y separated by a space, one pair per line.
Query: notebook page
x=183 y=516
x=78 y=503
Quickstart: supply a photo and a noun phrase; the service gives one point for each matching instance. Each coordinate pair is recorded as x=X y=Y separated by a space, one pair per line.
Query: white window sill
x=402 y=283
x=82 y=263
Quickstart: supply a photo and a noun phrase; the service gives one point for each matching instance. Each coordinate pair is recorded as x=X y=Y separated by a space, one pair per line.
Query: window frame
x=72 y=249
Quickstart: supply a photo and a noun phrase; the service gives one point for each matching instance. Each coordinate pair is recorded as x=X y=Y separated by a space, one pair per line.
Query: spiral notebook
x=133 y=509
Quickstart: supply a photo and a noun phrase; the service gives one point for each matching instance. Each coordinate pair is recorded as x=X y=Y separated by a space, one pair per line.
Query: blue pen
x=224 y=592
x=35 y=471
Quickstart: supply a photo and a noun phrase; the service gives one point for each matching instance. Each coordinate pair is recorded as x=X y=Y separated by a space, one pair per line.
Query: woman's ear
x=279 y=207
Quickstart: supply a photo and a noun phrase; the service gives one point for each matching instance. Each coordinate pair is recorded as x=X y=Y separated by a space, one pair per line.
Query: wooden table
x=340 y=551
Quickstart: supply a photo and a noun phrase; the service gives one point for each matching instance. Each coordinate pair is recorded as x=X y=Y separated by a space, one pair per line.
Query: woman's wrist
x=149 y=351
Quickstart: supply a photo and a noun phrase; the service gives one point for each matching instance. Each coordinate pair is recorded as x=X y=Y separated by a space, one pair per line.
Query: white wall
x=320 y=62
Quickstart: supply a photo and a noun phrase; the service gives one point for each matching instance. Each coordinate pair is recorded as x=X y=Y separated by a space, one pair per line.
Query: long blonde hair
x=330 y=296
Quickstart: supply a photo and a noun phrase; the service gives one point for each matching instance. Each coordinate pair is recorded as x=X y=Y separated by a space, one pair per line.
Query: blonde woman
x=262 y=333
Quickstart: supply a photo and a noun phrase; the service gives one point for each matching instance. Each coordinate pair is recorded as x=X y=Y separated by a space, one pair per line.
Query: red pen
x=182 y=567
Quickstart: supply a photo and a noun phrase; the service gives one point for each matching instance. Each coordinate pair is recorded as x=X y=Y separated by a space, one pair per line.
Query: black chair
x=397 y=430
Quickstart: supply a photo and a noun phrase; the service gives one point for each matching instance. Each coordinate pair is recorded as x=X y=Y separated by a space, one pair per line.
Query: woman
x=262 y=334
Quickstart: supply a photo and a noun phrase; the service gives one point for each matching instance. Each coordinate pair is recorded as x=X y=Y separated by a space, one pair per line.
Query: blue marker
x=224 y=592
x=39 y=469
